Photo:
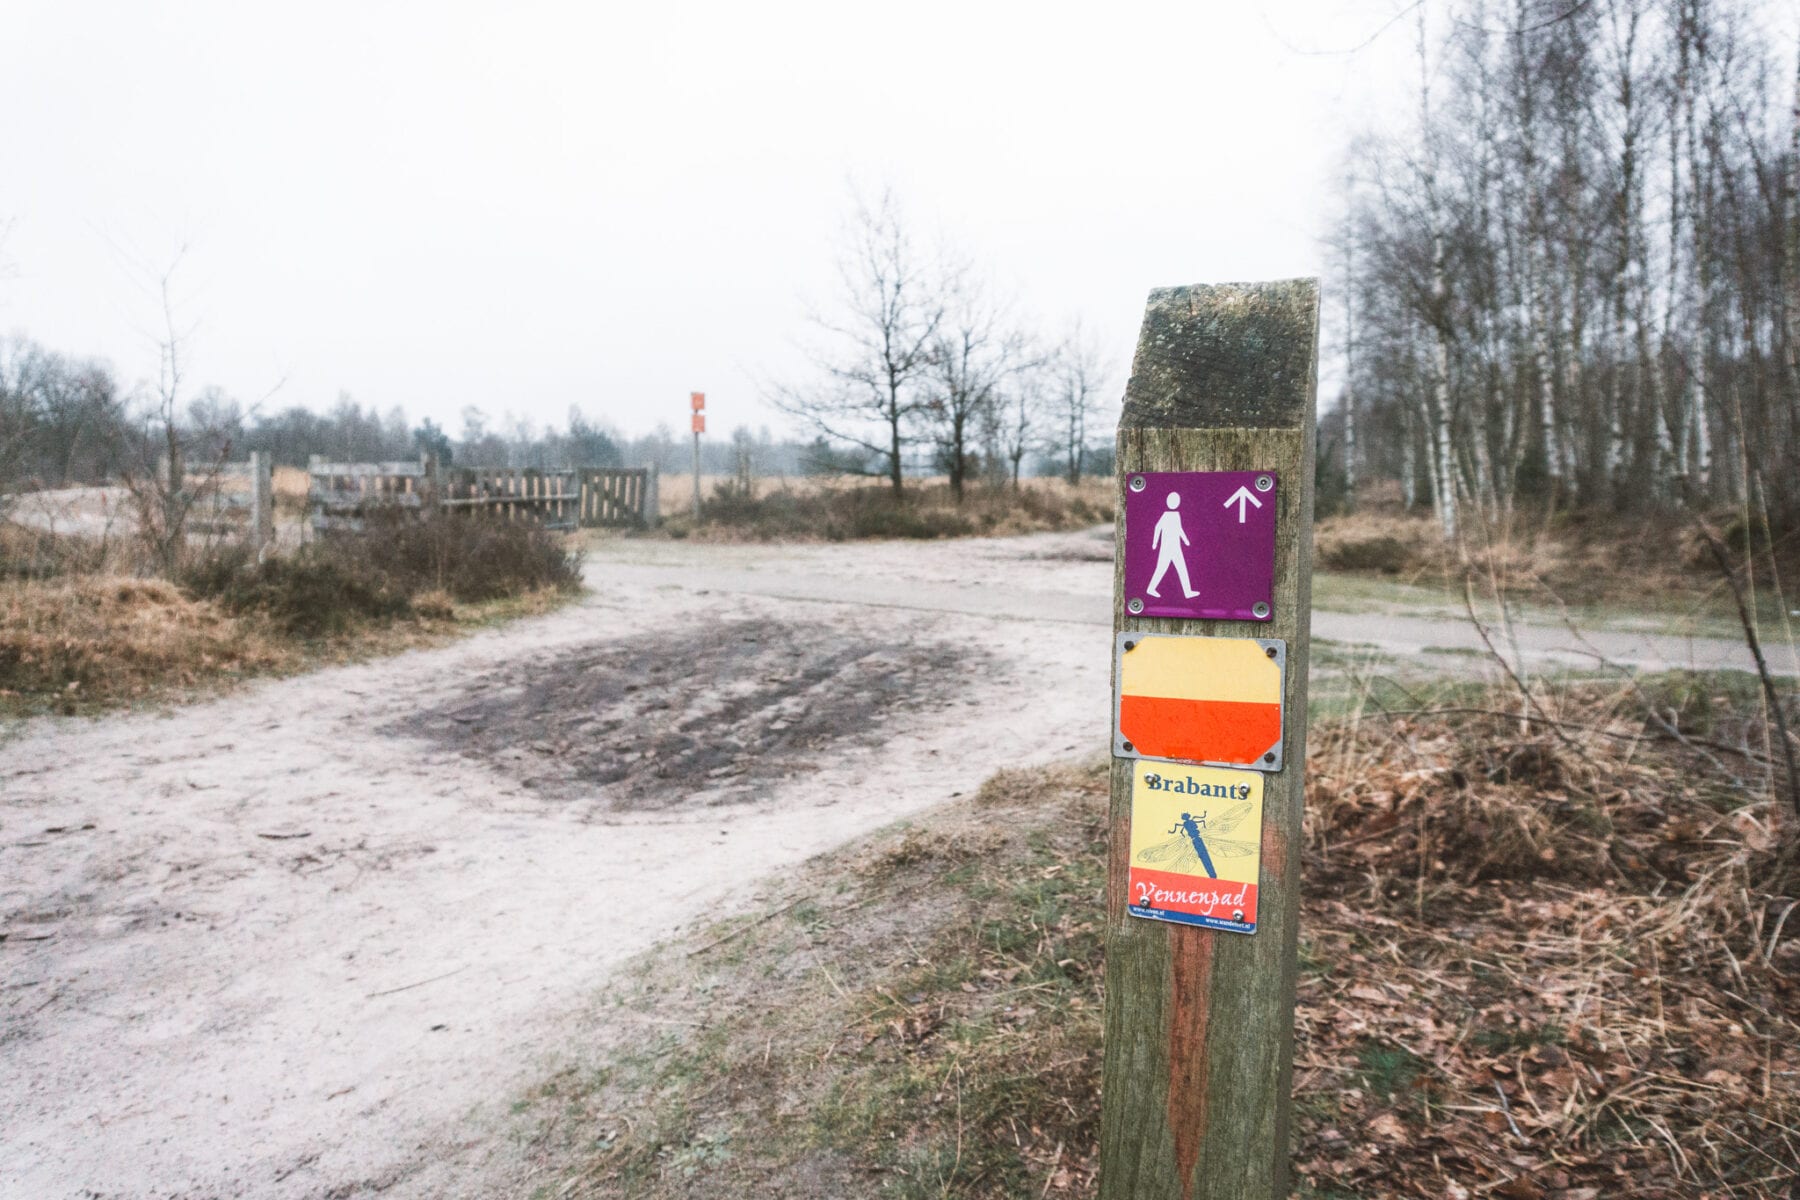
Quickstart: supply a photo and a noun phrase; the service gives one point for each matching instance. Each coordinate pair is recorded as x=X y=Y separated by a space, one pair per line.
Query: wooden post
x=430 y=500
x=262 y=501
x=652 y=514
x=309 y=528
x=696 y=475
x=1200 y=1023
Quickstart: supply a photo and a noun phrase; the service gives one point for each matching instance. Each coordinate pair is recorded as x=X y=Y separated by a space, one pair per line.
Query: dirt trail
x=1068 y=577
x=305 y=940
x=308 y=940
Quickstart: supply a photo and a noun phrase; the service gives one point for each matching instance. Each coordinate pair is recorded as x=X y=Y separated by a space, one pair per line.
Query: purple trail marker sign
x=1200 y=544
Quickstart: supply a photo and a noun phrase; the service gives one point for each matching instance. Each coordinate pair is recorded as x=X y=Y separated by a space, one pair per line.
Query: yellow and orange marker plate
x=1209 y=701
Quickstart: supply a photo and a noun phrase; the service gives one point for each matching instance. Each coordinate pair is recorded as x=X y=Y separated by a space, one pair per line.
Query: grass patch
x=90 y=642
x=855 y=511
x=335 y=583
x=1531 y=967
x=1388 y=1072
x=30 y=553
x=918 y=1016
x=73 y=642
x=1599 y=571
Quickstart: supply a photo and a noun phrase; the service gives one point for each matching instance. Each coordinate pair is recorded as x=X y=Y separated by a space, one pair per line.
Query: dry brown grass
x=80 y=643
x=290 y=486
x=841 y=510
x=1546 y=960
x=915 y=1017
x=291 y=482
x=1378 y=543
x=27 y=552
x=80 y=633
x=1579 y=559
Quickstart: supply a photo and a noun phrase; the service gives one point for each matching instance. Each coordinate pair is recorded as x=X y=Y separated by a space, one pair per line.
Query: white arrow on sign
x=1238 y=497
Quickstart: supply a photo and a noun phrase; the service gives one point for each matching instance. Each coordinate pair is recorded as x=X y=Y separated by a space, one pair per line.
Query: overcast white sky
x=526 y=206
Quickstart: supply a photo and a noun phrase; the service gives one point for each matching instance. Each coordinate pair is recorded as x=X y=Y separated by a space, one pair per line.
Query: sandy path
x=1068 y=577
x=220 y=1006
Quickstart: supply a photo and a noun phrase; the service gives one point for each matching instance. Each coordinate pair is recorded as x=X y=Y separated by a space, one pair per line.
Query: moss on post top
x=1221 y=355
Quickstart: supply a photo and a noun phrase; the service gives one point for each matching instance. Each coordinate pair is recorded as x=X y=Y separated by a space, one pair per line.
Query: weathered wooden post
x=430 y=498
x=652 y=500
x=1215 y=469
x=315 y=498
x=262 y=501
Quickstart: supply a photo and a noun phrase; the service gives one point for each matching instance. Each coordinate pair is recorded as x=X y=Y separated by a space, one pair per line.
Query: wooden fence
x=342 y=496
x=611 y=497
x=232 y=499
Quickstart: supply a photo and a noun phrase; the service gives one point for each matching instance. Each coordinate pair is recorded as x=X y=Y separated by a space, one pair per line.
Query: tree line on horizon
x=1575 y=280
x=66 y=421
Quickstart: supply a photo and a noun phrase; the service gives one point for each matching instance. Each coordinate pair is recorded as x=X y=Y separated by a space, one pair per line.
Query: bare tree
x=880 y=343
x=164 y=485
x=1017 y=415
x=1078 y=375
x=1790 y=256
x=1578 y=277
x=18 y=417
x=1347 y=246
x=974 y=354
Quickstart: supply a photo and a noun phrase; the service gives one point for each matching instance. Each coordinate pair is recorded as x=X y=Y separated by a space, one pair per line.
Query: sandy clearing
x=84 y=511
x=315 y=940
x=302 y=951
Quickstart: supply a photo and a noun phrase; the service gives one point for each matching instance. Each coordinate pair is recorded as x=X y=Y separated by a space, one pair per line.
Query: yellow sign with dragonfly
x=1196 y=845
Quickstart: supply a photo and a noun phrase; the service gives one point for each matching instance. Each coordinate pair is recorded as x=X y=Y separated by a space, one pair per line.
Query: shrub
x=319 y=591
x=28 y=553
x=396 y=567
x=72 y=643
x=1387 y=545
x=474 y=558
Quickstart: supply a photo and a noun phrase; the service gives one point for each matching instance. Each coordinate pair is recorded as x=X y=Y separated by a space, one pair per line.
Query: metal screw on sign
x=1260 y=609
x=1126 y=746
x=1131 y=645
x=1136 y=606
x=1270 y=651
x=1264 y=483
x=1237 y=914
x=1137 y=483
x=1270 y=757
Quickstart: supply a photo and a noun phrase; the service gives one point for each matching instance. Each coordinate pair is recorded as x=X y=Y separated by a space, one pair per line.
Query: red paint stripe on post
x=1190 y=978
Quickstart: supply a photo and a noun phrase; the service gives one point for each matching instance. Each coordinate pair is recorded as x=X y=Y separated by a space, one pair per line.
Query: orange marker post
x=698 y=402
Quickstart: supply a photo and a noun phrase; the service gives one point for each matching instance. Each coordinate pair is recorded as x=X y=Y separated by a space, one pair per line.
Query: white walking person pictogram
x=1167 y=541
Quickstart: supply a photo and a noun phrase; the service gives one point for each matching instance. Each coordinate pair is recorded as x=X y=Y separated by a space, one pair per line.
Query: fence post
x=428 y=485
x=309 y=528
x=262 y=501
x=1199 y=1022
x=652 y=501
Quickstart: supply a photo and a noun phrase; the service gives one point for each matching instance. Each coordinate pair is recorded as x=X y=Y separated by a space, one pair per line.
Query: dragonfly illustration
x=1195 y=841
